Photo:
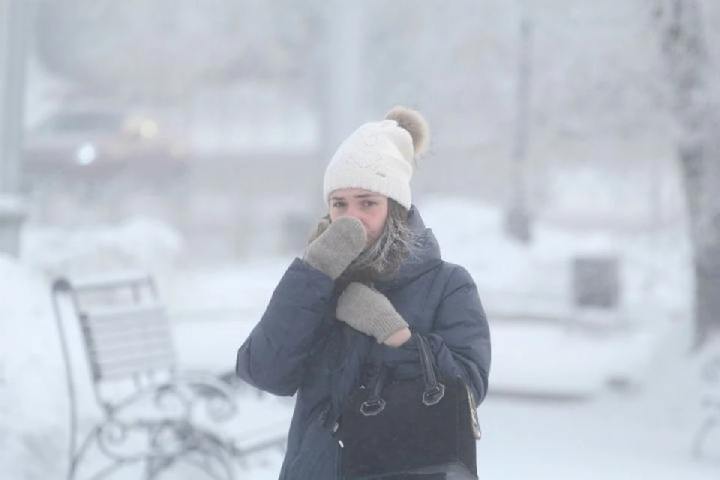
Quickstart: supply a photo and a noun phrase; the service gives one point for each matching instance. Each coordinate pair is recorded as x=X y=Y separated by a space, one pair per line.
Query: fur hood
x=424 y=258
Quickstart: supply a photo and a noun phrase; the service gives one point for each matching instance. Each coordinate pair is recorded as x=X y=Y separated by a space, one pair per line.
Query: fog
x=573 y=169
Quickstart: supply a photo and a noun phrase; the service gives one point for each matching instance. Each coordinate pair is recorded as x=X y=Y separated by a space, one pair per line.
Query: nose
x=355 y=213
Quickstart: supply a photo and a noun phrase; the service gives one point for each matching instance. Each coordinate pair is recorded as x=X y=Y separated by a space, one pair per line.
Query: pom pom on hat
x=414 y=123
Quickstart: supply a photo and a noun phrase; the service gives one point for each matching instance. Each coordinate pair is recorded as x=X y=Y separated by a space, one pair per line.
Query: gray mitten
x=337 y=246
x=321 y=226
x=368 y=311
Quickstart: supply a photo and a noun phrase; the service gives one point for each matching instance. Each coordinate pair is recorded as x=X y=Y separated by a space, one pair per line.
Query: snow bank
x=138 y=243
x=655 y=265
x=33 y=417
x=523 y=285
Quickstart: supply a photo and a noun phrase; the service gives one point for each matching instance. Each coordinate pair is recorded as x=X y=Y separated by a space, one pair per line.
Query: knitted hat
x=379 y=156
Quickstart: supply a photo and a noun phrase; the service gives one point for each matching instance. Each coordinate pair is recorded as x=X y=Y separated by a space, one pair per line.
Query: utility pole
x=14 y=34
x=340 y=75
x=517 y=220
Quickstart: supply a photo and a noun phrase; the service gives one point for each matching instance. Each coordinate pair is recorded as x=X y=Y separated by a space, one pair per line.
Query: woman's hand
x=398 y=338
x=371 y=313
x=321 y=226
x=336 y=246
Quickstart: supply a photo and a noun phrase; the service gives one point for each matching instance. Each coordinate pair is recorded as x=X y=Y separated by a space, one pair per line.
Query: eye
x=338 y=204
x=369 y=203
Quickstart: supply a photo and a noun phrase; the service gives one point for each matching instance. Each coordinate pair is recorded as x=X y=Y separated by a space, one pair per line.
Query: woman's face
x=368 y=207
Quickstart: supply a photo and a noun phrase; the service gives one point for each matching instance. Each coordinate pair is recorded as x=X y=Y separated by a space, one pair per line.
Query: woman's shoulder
x=453 y=276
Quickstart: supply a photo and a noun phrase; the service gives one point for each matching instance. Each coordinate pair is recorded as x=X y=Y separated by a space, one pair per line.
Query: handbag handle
x=374 y=403
x=434 y=390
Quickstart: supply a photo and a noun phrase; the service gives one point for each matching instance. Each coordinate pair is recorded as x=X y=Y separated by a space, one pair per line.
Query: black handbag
x=395 y=428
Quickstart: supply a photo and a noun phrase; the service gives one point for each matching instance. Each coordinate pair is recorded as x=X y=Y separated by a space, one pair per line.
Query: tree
x=695 y=108
x=165 y=48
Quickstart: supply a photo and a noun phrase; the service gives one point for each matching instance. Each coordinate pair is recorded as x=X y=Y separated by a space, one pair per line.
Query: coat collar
x=425 y=257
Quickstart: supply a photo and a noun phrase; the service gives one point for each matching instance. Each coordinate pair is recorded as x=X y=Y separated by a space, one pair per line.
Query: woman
x=371 y=272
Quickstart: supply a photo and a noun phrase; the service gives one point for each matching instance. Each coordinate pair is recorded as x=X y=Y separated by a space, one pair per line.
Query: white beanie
x=379 y=156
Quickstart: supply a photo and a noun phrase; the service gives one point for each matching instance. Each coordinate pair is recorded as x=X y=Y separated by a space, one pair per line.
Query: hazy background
x=249 y=100
x=189 y=139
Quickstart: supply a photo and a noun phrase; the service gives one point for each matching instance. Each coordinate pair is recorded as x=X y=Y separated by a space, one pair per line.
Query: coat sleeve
x=273 y=356
x=460 y=338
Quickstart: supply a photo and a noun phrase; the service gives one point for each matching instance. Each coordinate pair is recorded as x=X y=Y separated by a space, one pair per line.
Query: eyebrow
x=362 y=195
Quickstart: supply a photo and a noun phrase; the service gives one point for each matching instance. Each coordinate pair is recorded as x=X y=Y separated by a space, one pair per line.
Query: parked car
x=82 y=141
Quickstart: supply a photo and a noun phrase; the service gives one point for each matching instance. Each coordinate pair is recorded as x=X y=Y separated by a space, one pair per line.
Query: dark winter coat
x=299 y=346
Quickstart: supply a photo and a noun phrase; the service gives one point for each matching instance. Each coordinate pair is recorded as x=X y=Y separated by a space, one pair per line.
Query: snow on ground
x=654 y=264
x=34 y=414
x=520 y=285
x=34 y=417
x=138 y=242
x=32 y=383
x=550 y=413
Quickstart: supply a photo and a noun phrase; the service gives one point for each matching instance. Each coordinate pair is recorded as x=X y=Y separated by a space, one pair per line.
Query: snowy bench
x=152 y=415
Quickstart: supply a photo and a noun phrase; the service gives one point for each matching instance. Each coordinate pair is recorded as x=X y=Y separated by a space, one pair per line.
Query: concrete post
x=14 y=28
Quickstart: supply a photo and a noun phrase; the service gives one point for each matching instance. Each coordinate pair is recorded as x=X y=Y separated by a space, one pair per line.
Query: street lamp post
x=518 y=219
x=14 y=28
